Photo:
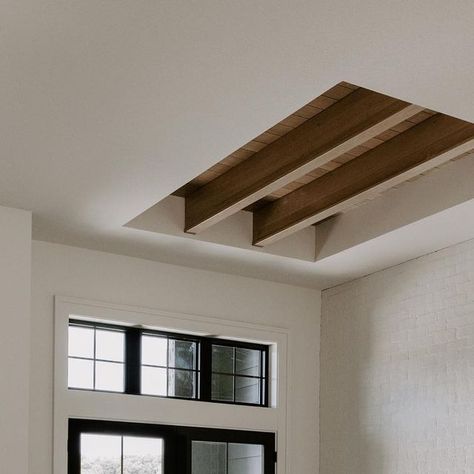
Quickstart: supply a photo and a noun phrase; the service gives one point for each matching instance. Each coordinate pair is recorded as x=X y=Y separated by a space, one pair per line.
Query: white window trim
x=144 y=409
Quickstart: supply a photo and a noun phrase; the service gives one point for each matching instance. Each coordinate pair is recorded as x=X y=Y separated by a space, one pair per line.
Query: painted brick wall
x=397 y=369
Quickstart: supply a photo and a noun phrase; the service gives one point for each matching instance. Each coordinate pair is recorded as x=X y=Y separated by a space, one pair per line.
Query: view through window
x=227 y=458
x=96 y=358
x=168 y=367
x=238 y=374
x=110 y=454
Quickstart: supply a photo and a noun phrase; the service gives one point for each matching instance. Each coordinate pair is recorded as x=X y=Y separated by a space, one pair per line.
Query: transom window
x=96 y=358
x=238 y=374
x=169 y=366
x=107 y=357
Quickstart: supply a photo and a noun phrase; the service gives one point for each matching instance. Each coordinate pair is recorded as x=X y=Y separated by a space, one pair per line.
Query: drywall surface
x=397 y=369
x=15 y=269
x=109 y=106
x=68 y=271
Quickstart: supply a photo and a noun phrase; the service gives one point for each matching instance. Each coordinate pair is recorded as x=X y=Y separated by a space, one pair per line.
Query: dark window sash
x=177 y=441
x=203 y=371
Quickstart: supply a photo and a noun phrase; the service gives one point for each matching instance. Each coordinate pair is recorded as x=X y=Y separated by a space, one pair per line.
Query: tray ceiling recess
x=346 y=146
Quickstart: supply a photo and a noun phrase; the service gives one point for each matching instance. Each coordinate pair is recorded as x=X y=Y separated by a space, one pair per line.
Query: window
x=219 y=457
x=130 y=448
x=238 y=374
x=96 y=358
x=102 y=453
x=137 y=361
x=169 y=366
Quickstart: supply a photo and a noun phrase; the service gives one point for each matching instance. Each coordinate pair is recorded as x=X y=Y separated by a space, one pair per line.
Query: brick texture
x=397 y=369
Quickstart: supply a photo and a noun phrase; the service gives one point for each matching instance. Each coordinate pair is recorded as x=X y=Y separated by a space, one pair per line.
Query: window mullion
x=133 y=361
x=206 y=370
x=266 y=379
x=94 y=365
x=121 y=454
x=168 y=367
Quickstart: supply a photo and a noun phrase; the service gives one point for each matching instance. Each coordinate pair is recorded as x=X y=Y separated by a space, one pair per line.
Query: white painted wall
x=15 y=268
x=112 y=406
x=397 y=369
x=62 y=270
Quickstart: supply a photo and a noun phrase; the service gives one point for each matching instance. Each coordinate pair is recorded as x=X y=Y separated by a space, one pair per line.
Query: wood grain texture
x=430 y=143
x=327 y=99
x=351 y=121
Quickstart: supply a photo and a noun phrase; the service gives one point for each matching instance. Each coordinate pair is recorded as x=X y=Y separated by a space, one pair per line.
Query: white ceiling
x=107 y=107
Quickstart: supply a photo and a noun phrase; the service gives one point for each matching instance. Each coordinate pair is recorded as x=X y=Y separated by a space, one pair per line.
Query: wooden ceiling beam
x=350 y=122
x=423 y=147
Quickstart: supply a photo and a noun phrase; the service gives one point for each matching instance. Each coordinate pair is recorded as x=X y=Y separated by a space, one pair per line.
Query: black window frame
x=135 y=348
x=177 y=441
x=94 y=359
x=203 y=372
x=264 y=368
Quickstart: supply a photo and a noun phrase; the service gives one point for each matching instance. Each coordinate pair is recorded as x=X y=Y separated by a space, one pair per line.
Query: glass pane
x=208 y=458
x=142 y=455
x=247 y=362
x=154 y=350
x=223 y=359
x=81 y=342
x=109 y=376
x=154 y=381
x=181 y=383
x=110 y=345
x=245 y=459
x=182 y=354
x=223 y=387
x=101 y=454
x=81 y=374
x=247 y=390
